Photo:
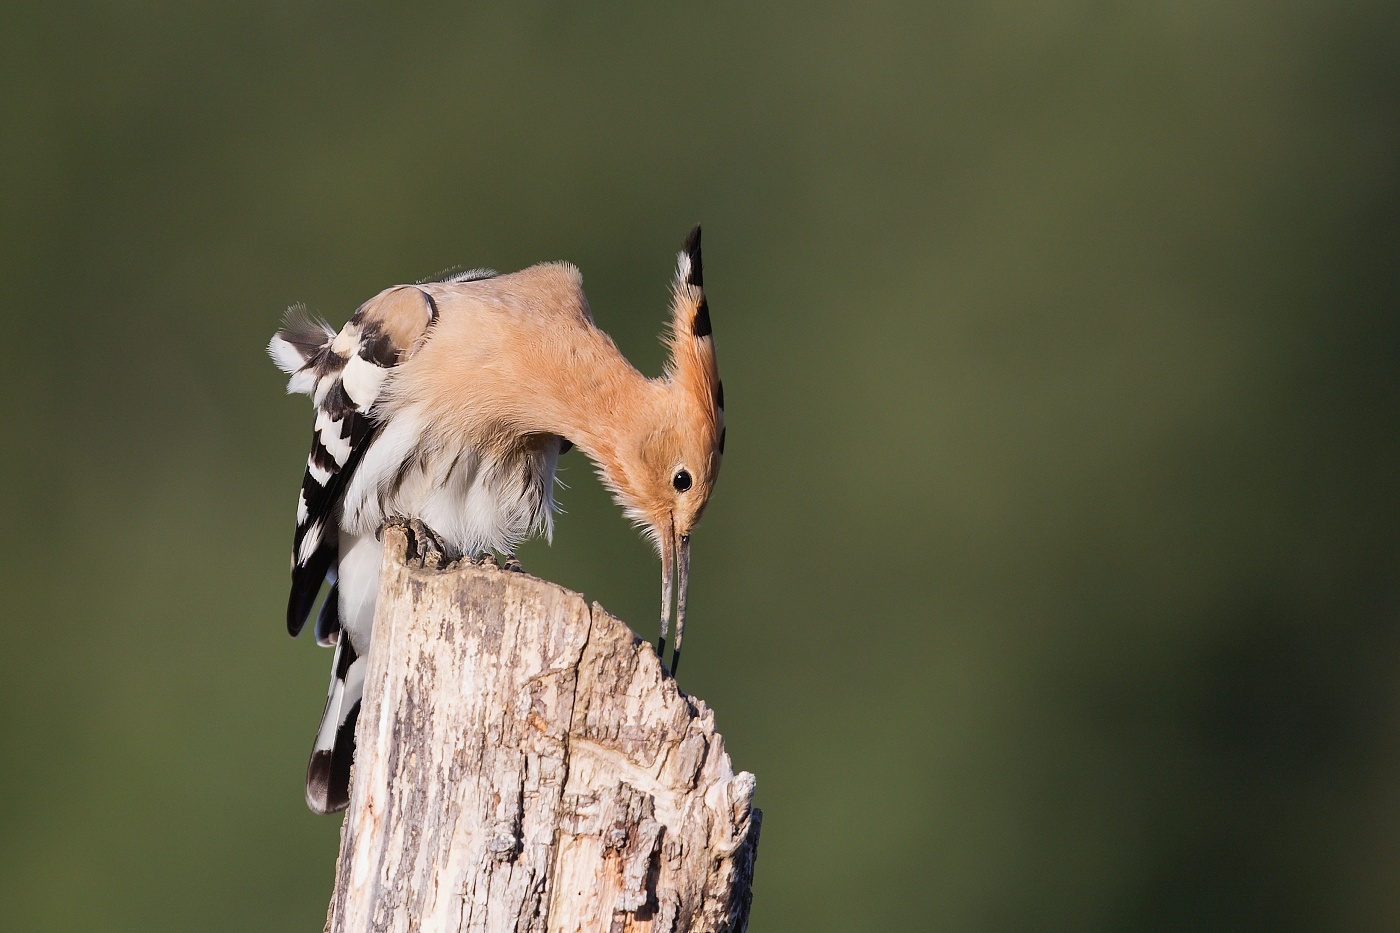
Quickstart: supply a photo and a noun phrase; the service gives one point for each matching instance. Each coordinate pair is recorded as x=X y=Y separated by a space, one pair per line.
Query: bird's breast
x=476 y=493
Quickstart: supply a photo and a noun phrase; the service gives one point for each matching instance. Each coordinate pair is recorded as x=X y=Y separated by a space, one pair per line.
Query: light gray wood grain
x=524 y=764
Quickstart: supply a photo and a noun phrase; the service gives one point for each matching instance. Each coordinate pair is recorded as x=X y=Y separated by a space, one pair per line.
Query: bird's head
x=668 y=477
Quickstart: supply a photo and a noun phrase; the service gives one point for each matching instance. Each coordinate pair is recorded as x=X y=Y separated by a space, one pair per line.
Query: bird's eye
x=681 y=480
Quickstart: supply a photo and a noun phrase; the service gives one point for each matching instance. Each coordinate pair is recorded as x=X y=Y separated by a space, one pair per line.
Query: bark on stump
x=523 y=763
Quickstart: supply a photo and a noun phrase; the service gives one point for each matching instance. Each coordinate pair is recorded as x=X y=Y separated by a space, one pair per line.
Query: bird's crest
x=692 y=365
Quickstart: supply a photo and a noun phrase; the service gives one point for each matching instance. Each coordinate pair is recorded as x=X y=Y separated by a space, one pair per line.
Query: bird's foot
x=486 y=559
x=512 y=564
x=424 y=546
x=392 y=521
x=431 y=552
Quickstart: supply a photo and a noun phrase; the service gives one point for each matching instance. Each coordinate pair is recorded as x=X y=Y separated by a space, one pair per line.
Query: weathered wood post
x=523 y=764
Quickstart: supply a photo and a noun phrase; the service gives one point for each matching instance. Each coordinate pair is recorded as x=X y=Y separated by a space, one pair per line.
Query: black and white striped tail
x=328 y=772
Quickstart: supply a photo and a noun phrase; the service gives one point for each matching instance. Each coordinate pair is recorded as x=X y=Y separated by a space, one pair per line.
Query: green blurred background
x=1051 y=583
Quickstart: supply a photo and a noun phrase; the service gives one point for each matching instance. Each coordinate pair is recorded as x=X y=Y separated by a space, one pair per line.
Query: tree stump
x=524 y=764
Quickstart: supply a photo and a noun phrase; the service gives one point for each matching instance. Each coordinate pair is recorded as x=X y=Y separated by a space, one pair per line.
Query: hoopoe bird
x=446 y=404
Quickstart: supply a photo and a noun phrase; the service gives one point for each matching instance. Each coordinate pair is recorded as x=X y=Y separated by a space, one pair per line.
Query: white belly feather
x=473 y=502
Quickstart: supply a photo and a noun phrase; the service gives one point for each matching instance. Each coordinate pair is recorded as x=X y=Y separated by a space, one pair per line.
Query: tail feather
x=328 y=772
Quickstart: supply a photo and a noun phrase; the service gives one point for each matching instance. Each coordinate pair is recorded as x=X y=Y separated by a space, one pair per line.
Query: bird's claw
x=431 y=552
x=425 y=547
x=392 y=521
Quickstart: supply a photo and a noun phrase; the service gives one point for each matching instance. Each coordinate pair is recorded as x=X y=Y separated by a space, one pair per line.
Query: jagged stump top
x=525 y=764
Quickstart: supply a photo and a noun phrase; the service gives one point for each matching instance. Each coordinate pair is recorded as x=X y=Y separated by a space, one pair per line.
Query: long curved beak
x=682 y=584
x=675 y=568
x=668 y=573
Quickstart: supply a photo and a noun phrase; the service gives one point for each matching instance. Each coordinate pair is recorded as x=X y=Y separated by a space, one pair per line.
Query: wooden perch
x=523 y=763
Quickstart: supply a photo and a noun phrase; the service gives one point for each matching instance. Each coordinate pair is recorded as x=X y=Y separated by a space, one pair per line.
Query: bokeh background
x=1053 y=581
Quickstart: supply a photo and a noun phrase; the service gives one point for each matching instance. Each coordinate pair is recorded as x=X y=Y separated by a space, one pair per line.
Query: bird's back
x=504 y=353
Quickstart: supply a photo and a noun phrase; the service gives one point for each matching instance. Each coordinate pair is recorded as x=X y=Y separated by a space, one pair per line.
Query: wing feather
x=344 y=373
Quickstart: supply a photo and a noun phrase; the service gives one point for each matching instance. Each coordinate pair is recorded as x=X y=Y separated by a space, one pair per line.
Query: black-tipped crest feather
x=692 y=249
x=701 y=325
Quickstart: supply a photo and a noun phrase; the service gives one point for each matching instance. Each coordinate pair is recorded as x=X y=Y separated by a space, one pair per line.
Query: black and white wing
x=343 y=373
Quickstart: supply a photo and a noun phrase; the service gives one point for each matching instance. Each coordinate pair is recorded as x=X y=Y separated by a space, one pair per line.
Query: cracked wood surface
x=523 y=764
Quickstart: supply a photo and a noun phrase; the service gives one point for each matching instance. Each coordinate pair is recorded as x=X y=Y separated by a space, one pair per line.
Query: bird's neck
x=600 y=401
